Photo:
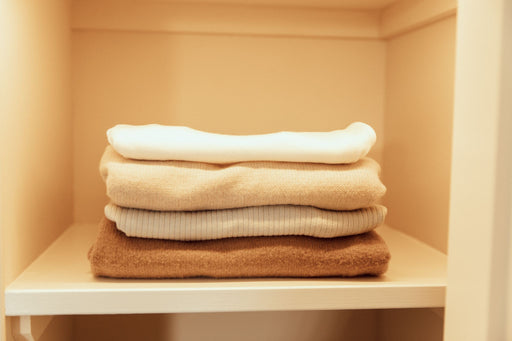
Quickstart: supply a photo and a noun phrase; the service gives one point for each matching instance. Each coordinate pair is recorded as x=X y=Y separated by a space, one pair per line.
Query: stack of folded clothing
x=186 y=203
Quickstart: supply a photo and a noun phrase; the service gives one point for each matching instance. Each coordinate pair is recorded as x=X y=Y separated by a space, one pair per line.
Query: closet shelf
x=60 y=282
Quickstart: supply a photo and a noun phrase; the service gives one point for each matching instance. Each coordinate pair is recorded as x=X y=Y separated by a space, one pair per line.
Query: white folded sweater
x=158 y=142
x=253 y=221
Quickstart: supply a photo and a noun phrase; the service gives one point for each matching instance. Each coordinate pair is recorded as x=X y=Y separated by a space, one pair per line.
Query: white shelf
x=327 y=4
x=60 y=282
x=368 y=19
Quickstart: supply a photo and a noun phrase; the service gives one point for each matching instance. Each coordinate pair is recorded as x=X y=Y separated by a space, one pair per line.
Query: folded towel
x=245 y=222
x=191 y=186
x=158 y=142
x=116 y=255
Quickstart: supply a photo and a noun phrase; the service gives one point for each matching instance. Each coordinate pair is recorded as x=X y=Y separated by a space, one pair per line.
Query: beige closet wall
x=35 y=130
x=356 y=325
x=410 y=324
x=418 y=131
x=220 y=83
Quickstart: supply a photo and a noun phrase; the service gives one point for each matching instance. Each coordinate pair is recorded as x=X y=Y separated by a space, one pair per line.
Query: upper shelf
x=60 y=282
x=368 y=19
x=345 y=4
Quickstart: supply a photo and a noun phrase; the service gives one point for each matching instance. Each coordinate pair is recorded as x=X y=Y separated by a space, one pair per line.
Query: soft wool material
x=244 y=222
x=116 y=255
x=188 y=186
x=158 y=142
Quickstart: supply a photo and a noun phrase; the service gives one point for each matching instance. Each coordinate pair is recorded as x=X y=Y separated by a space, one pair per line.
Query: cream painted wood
x=22 y=329
x=481 y=188
x=418 y=131
x=506 y=105
x=273 y=20
x=30 y=328
x=35 y=133
x=508 y=316
x=331 y=4
x=153 y=16
x=60 y=282
x=406 y=15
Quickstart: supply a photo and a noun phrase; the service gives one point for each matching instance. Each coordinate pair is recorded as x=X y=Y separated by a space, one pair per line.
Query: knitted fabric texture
x=116 y=255
x=244 y=222
x=188 y=186
x=158 y=142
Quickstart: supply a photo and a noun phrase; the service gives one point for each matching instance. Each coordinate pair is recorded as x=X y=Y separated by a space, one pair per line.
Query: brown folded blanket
x=189 y=186
x=116 y=255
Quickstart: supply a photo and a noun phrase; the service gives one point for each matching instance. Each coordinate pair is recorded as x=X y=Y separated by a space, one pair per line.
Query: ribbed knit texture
x=245 y=222
x=158 y=142
x=116 y=255
x=187 y=186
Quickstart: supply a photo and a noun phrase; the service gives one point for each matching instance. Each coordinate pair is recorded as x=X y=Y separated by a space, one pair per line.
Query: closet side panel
x=35 y=126
x=418 y=131
x=480 y=225
x=221 y=83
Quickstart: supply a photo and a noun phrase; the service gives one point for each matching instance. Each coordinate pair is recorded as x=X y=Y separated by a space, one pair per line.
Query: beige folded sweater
x=244 y=222
x=116 y=255
x=188 y=186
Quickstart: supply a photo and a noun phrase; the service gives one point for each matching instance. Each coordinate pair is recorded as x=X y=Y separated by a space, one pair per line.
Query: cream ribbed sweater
x=191 y=186
x=244 y=222
x=158 y=142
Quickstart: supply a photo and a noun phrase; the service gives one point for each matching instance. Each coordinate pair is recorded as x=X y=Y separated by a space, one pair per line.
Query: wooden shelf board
x=60 y=282
x=354 y=19
x=329 y=4
x=224 y=19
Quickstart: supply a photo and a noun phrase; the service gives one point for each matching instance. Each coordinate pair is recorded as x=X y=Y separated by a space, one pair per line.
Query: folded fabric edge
x=362 y=137
x=257 y=221
x=370 y=259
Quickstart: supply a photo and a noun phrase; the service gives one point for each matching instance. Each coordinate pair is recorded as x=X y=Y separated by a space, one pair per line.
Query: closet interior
x=76 y=68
